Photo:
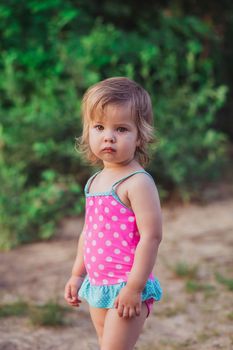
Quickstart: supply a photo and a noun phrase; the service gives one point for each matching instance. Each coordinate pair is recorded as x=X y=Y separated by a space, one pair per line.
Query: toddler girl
x=118 y=246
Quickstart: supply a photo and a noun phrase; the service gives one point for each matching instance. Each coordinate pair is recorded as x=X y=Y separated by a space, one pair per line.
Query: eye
x=99 y=127
x=122 y=129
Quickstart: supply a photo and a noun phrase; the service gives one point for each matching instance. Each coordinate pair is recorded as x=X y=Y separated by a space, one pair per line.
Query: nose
x=109 y=136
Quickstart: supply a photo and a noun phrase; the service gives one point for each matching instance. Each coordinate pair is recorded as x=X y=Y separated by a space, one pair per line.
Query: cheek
x=93 y=141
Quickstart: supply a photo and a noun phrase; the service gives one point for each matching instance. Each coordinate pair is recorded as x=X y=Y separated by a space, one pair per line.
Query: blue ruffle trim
x=104 y=296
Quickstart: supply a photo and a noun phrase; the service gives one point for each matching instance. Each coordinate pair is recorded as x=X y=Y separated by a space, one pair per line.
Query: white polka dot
x=95 y=226
x=88 y=250
x=123 y=227
x=127 y=258
x=100 y=201
x=117 y=251
x=123 y=210
x=105 y=281
x=101 y=218
x=131 y=219
x=93 y=280
x=114 y=218
x=124 y=243
x=108 y=259
x=93 y=242
x=93 y=258
x=108 y=226
x=106 y=209
x=96 y=274
x=132 y=250
x=131 y=235
x=100 y=235
x=116 y=234
x=88 y=266
x=100 y=251
x=96 y=210
x=101 y=267
x=111 y=274
x=118 y=266
x=89 y=234
x=108 y=243
x=90 y=218
x=120 y=280
x=113 y=202
x=91 y=202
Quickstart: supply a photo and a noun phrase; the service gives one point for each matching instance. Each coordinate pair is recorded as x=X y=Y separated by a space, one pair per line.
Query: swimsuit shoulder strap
x=117 y=183
x=89 y=181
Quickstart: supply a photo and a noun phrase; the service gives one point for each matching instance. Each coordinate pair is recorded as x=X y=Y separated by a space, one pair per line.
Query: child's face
x=113 y=137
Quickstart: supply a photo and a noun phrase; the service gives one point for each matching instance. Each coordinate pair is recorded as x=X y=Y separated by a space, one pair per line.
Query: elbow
x=152 y=240
x=157 y=238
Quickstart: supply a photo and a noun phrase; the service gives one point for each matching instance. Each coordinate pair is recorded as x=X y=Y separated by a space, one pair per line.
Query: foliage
x=51 y=52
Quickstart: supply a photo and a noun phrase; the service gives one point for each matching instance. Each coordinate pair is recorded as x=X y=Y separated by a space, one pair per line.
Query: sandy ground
x=197 y=235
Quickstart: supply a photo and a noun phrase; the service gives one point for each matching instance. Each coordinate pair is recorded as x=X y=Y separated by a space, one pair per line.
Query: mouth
x=108 y=150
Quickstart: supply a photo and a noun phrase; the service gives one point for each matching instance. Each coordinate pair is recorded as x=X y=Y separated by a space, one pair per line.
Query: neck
x=115 y=167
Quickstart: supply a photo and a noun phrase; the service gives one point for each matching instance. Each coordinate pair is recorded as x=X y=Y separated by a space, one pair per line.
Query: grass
x=171 y=311
x=228 y=282
x=18 y=308
x=182 y=269
x=230 y=316
x=193 y=286
x=50 y=314
x=190 y=273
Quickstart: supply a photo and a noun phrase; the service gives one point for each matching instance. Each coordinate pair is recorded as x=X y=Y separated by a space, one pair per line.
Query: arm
x=79 y=269
x=77 y=276
x=145 y=203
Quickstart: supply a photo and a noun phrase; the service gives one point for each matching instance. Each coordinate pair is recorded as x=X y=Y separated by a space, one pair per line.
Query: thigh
x=120 y=333
x=98 y=319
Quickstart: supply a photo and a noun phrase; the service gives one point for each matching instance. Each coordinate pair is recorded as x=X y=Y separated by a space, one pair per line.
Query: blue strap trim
x=127 y=176
x=89 y=181
x=117 y=183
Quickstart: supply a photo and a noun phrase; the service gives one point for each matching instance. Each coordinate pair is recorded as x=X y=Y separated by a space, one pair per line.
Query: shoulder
x=141 y=181
x=142 y=190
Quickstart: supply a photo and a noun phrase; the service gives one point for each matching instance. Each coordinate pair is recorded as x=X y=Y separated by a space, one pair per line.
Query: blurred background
x=181 y=51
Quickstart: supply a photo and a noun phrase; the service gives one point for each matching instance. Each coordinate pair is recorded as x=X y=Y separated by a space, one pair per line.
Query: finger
x=74 y=292
x=67 y=294
x=132 y=312
x=138 y=310
x=120 y=309
x=76 y=304
x=126 y=312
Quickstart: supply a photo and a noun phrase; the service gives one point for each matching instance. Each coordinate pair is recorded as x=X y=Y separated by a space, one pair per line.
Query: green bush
x=51 y=53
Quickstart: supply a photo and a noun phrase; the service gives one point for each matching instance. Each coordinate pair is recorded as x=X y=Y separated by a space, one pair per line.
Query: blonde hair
x=118 y=91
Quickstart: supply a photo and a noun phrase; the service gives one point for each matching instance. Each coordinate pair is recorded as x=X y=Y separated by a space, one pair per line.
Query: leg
x=98 y=319
x=120 y=333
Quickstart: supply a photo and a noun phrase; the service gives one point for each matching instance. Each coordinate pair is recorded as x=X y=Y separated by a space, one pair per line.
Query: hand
x=128 y=303
x=71 y=290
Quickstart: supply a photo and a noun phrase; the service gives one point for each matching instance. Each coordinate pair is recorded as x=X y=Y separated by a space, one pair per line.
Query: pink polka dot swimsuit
x=110 y=239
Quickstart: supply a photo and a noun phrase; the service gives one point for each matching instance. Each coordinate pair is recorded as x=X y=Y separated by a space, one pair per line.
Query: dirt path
x=194 y=317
